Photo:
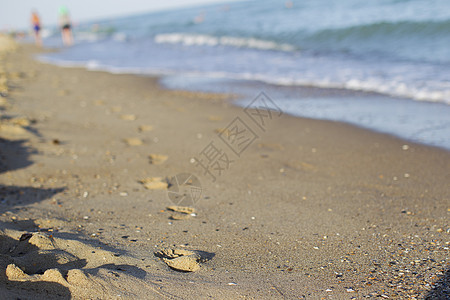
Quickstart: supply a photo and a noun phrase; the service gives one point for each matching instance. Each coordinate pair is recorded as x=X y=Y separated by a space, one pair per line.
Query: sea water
x=398 y=51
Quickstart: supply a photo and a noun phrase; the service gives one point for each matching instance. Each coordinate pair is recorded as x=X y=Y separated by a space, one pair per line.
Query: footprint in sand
x=180 y=259
x=3 y=101
x=11 y=129
x=154 y=183
x=99 y=102
x=15 y=126
x=116 y=109
x=36 y=265
x=133 y=141
x=20 y=122
x=34 y=257
x=157 y=159
x=226 y=132
x=63 y=93
x=144 y=128
x=128 y=117
x=181 y=212
x=214 y=118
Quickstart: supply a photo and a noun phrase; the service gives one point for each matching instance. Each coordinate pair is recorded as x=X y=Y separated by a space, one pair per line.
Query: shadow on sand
x=27 y=256
x=441 y=289
x=14 y=155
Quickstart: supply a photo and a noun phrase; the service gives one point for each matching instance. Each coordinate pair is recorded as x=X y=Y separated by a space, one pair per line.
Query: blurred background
x=395 y=51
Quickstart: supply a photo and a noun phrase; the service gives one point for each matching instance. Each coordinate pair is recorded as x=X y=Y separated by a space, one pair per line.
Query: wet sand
x=298 y=208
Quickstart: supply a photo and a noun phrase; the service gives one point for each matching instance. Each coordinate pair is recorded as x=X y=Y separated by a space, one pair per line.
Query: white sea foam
x=208 y=40
x=119 y=37
x=394 y=89
x=431 y=92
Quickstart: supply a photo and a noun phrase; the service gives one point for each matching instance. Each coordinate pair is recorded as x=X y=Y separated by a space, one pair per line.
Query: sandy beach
x=291 y=209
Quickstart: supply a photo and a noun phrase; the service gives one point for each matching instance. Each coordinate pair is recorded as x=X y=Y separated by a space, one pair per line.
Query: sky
x=15 y=14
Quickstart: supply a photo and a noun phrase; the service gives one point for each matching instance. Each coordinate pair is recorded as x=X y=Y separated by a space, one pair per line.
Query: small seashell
x=182 y=209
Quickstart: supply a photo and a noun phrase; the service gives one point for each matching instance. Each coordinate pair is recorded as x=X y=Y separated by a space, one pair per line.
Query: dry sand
x=310 y=209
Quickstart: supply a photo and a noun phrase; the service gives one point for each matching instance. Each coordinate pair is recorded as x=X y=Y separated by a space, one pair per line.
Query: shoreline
x=382 y=121
x=310 y=209
x=310 y=92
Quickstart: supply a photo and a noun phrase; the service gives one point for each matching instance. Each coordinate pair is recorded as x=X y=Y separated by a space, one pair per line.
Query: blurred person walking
x=66 y=26
x=36 y=24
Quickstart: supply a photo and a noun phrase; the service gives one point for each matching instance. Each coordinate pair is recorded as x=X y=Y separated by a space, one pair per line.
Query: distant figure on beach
x=36 y=24
x=66 y=26
x=200 y=18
